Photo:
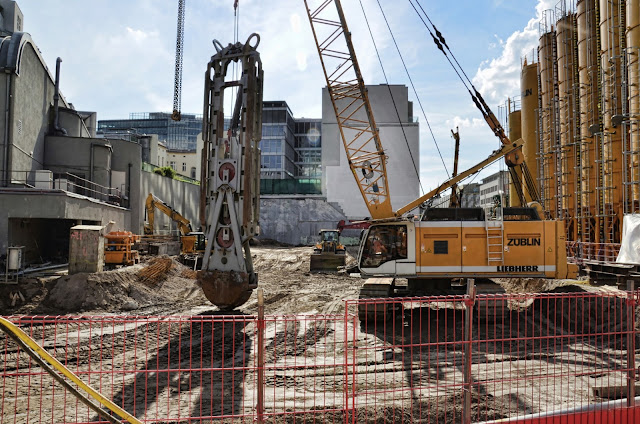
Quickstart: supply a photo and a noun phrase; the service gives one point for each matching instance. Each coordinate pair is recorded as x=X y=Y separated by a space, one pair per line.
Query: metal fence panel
x=529 y=354
x=178 y=369
x=562 y=357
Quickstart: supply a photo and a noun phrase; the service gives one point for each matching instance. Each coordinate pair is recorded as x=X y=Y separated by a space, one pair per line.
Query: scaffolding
x=631 y=124
x=548 y=134
x=612 y=42
x=568 y=123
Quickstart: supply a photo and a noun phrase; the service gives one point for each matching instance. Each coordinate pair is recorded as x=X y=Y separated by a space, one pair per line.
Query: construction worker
x=378 y=247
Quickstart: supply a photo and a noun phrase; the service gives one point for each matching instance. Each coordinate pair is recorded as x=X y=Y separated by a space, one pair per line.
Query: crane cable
x=415 y=92
x=441 y=44
x=236 y=18
x=234 y=65
x=177 y=82
x=392 y=99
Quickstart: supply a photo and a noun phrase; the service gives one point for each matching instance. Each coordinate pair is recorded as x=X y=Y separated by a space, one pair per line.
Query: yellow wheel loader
x=328 y=253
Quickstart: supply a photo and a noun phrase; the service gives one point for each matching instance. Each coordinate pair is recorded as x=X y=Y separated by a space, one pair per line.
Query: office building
x=176 y=135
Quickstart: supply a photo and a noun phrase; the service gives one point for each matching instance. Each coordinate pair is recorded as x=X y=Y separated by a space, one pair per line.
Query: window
x=270 y=161
x=440 y=247
x=172 y=164
x=184 y=167
x=193 y=172
x=384 y=243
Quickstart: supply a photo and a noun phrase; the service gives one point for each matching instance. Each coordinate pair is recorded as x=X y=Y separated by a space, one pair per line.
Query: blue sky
x=118 y=57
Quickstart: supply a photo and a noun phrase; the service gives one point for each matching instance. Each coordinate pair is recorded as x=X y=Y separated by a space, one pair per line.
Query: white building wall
x=492 y=185
x=184 y=163
x=338 y=183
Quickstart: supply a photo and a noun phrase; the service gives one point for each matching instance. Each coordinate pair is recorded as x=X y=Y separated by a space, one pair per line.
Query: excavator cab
x=385 y=244
x=193 y=243
x=328 y=253
x=192 y=246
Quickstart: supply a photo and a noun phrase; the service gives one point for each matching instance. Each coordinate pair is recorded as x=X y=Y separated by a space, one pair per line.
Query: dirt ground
x=407 y=369
x=283 y=273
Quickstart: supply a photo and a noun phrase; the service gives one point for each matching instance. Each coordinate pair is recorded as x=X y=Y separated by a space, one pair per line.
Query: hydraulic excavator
x=230 y=178
x=429 y=247
x=192 y=243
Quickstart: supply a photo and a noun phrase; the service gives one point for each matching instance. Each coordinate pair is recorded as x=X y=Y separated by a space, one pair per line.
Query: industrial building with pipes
x=579 y=119
x=54 y=172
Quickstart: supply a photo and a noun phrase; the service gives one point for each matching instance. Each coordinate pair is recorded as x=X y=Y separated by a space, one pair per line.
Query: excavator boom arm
x=152 y=202
x=503 y=151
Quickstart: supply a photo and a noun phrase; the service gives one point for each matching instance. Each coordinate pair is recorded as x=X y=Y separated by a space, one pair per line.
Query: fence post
x=347 y=375
x=260 y=328
x=468 y=332
x=631 y=344
x=346 y=359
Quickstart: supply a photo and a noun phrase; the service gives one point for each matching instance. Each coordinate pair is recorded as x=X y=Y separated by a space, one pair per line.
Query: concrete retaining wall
x=183 y=197
x=296 y=221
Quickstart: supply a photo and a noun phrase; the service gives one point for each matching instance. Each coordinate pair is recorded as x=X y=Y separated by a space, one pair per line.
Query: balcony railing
x=47 y=180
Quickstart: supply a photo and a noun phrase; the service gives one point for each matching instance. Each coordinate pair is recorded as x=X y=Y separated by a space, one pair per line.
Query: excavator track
x=487 y=309
x=378 y=288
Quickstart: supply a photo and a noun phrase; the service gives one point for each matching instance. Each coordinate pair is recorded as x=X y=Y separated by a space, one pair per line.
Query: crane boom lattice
x=348 y=95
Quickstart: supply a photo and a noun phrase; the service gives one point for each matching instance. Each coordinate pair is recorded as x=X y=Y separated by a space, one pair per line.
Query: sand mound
x=286 y=260
x=159 y=281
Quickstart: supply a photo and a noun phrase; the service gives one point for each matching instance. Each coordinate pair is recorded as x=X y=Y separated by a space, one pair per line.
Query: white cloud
x=499 y=78
x=466 y=122
x=138 y=35
x=296 y=24
x=126 y=58
x=301 y=58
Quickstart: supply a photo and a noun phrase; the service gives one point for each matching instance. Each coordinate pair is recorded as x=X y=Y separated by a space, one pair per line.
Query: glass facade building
x=291 y=152
x=278 y=141
x=177 y=135
x=291 y=148
x=308 y=146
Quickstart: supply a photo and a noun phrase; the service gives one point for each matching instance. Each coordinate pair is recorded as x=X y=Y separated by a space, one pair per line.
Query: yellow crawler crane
x=433 y=247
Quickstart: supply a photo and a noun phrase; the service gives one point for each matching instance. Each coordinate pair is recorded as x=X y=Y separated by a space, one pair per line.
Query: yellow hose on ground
x=40 y=355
